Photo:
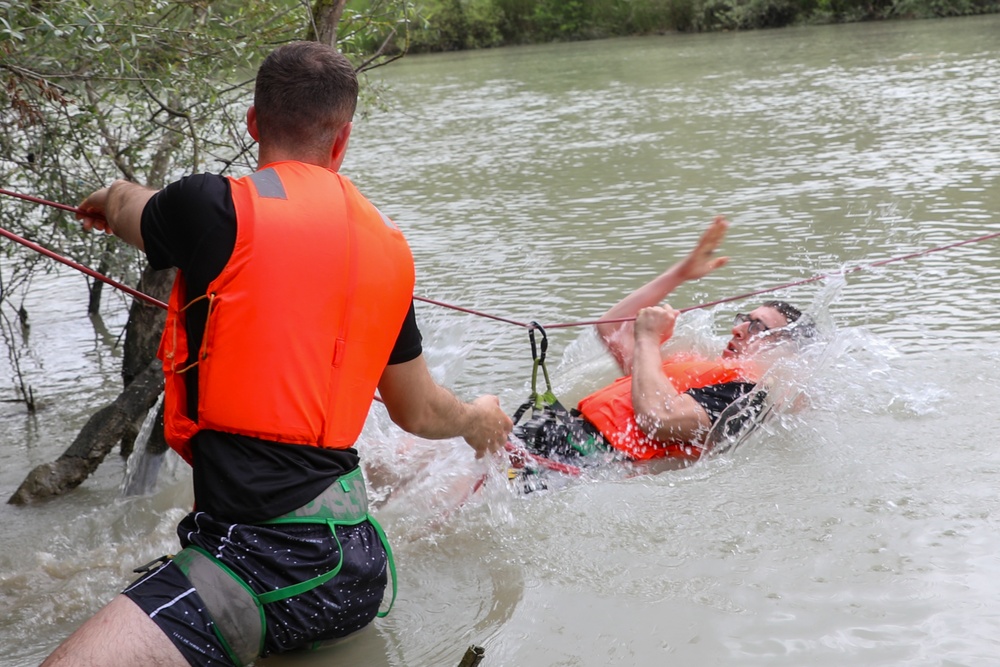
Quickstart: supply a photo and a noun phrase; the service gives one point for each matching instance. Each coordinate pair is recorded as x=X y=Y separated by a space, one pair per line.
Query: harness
x=550 y=429
x=237 y=611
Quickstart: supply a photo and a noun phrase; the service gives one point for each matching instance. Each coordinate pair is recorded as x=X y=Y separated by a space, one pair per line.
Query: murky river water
x=543 y=183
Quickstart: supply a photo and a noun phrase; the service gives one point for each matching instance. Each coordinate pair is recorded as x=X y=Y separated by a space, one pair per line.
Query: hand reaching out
x=489 y=426
x=91 y=212
x=701 y=261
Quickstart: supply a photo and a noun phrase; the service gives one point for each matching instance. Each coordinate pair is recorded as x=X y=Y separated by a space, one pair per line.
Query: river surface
x=543 y=183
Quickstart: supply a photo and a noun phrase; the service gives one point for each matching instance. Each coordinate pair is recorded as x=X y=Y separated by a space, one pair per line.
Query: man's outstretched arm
x=618 y=336
x=660 y=410
x=117 y=209
x=419 y=405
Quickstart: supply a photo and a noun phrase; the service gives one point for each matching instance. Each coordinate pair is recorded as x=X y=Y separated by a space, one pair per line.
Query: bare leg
x=119 y=635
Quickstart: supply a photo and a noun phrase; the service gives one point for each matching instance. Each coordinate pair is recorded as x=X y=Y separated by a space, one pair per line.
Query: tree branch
x=98 y=436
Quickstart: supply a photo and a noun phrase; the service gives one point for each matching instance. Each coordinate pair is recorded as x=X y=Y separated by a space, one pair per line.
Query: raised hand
x=702 y=260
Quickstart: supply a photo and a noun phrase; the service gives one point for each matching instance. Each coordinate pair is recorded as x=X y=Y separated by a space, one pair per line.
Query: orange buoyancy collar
x=301 y=320
x=610 y=409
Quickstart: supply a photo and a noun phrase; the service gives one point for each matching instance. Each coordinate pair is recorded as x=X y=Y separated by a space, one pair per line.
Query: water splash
x=143 y=466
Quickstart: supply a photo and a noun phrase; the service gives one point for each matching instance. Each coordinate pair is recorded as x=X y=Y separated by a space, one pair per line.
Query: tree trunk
x=94 y=441
x=142 y=338
x=326 y=17
x=119 y=421
x=145 y=323
x=97 y=289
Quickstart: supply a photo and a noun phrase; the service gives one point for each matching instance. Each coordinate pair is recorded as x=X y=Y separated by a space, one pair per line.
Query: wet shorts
x=560 y=434
x=268 y=558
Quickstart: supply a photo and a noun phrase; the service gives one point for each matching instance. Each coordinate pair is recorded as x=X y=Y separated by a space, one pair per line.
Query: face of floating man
x=755 y=331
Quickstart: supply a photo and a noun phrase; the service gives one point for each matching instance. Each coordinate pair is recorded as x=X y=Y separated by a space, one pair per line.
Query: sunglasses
x=756 y=327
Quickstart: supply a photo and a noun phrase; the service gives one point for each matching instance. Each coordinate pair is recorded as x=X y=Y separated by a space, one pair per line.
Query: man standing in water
x=292 y=304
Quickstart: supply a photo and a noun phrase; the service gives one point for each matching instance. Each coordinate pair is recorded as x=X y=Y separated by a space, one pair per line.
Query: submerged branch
x=25 y=390
x=105 y=428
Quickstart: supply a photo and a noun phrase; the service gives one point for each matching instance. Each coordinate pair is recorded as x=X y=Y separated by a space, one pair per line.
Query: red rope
x=881 y=262
x=472 y=312
x=67 y=261
x=564 y=468
x=46 y=202
x=80 y=267
x=558 y=325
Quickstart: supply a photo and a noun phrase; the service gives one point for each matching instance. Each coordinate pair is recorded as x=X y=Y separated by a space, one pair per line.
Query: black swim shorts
x=268 y=558
x=561 y=434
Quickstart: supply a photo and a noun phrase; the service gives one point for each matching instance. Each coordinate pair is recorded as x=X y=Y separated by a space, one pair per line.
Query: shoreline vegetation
x=455 y=25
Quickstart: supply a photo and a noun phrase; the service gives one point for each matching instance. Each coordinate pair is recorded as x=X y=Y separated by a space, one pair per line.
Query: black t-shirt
x=191 y=225
x=717 y=397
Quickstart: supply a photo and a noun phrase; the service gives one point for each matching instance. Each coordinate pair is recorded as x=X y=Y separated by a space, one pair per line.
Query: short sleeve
x=717 y=397
x=186 y=217
x=409 y=342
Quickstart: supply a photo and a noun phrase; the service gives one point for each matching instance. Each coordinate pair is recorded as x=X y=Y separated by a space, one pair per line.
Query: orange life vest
x=610 y=409
x=301 y=320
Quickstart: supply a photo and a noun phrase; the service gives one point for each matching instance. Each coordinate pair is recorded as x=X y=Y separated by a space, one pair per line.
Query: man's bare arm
x=419 y=405
x=618 y=336
x=117 y=210
x=660 y=410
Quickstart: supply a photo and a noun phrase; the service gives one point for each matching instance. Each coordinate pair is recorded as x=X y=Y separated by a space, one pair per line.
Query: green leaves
x=148 y=90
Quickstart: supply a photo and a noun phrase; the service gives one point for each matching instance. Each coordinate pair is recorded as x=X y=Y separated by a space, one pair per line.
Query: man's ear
x=339 y=149
x=252 y=123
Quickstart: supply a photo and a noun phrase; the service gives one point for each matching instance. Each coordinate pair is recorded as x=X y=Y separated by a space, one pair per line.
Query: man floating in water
x=677 y=407
x=668 y=407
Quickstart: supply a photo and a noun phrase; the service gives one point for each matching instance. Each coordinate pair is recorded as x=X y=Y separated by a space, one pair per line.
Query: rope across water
x=526 y=325
x=67 y=261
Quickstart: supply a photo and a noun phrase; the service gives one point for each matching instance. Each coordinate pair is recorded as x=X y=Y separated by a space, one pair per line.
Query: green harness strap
x=334 y=509
x=238 y=612
x=548 y=414
x=537 y=401
x=546 y=398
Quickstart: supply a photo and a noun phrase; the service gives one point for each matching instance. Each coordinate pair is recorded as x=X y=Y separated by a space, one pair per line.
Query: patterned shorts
x=267 y=558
